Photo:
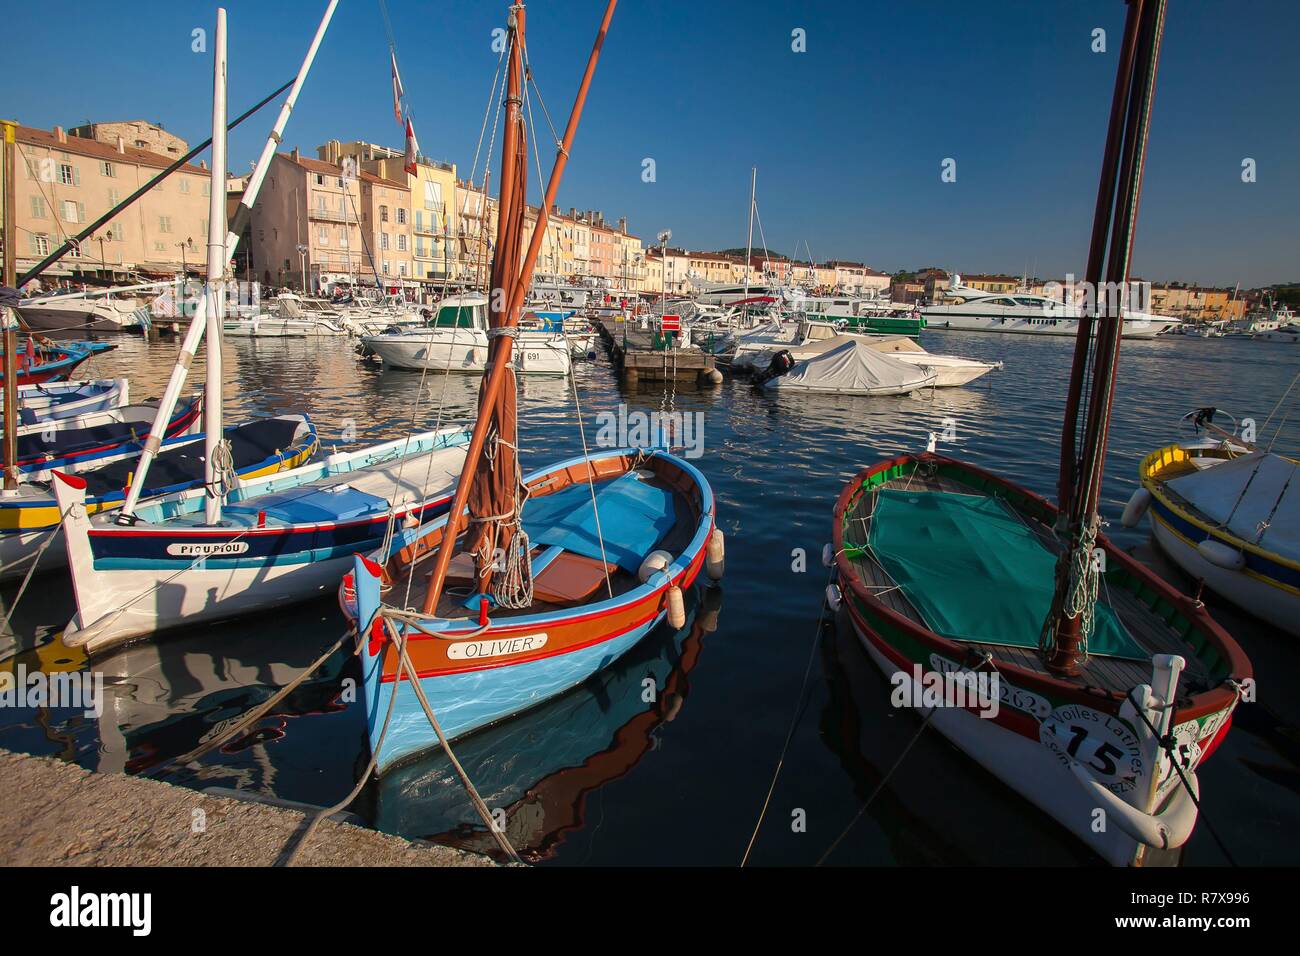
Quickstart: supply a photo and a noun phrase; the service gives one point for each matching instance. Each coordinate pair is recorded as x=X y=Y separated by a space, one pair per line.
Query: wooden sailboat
x=1105 y=687
x=558 y=572
x=227 y=548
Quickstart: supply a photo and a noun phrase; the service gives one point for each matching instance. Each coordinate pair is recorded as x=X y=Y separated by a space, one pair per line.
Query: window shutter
x=76 y=176
x=81 y=212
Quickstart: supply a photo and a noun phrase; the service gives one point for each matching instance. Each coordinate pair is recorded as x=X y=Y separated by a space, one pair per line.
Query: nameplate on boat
x=1008 y=694
x=200 y=549
x=501 y=647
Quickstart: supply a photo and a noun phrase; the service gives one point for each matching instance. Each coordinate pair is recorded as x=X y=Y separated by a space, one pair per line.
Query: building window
x=40 y=244
x=383 y=240
x=160 y=247
x=164 y=223
x=38 y=207
x=401 y=242
x=383 y=214
x=385 y=267
x=74 y=251
x=401 y=216
x=323 y=236
x=207 y=187
x=113 y=198
x=67 y=175
x=401 y=268
x=72 y=211
x=106 y=169
x=185 y=186
x=320 y=180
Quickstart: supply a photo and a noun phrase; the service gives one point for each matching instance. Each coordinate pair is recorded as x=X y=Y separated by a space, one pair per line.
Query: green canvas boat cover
x=975 y=571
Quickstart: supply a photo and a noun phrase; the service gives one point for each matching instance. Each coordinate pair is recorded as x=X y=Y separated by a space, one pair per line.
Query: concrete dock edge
x=53 y=813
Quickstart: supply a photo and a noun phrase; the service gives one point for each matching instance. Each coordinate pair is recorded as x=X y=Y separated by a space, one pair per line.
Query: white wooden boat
x=53 y=401
x=1230 y=517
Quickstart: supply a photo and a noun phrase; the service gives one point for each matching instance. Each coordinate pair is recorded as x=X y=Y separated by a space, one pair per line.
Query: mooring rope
x=794 y=723
x=1170 y=745
x=986 y=658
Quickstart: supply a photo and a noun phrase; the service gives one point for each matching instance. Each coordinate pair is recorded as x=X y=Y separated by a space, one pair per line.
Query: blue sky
x=848 y=137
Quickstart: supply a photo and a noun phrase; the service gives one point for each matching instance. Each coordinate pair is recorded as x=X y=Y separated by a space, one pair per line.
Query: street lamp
x=663 y=283
x=185 y=244
x=302 y=258
x=103 y=260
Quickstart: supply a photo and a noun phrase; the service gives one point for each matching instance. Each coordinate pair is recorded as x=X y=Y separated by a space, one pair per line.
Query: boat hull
x=940 y=321
x=1016 y=758
x=88 y=317
x=468 y=351
x=134 y=581
x=474 y=677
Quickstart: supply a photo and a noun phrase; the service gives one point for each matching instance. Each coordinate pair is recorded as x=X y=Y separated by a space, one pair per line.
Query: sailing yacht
x=975 y=310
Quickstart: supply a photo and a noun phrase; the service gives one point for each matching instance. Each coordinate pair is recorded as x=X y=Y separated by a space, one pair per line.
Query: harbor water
x=666 y=757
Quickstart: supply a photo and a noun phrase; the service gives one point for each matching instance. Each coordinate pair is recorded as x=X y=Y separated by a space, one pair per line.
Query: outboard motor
x=781 y=363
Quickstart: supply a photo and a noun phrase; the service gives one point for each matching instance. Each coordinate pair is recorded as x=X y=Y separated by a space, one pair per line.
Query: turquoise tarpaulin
x=975 y=571
x=634 y=517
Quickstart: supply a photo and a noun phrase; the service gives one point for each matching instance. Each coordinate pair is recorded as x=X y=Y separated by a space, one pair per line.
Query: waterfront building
x=66 y=182
x=385 y=216
x=305 y=230
x=990 y=283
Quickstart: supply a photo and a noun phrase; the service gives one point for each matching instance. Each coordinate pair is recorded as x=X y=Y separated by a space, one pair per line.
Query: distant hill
x=758 y=251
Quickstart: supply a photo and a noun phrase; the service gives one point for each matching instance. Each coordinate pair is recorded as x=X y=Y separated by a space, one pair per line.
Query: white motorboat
x=85 y=312
x=950 y=371
x=1289 y=334
x=288 y=316
x=457 y=341
x=973 y=310
x=851 y=367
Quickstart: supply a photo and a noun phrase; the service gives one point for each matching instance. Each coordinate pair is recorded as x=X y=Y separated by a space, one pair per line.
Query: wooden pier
x=643 y=355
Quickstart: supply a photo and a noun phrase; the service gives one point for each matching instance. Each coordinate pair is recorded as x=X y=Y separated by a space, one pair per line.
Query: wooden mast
x=1063 y=631
x=513 y=297
x=10 y=316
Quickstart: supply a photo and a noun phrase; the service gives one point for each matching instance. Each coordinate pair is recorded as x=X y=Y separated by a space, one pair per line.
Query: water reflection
x=537 y=772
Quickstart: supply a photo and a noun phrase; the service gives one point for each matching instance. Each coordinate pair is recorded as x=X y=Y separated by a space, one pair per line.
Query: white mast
x=195 y=334
x=749 y=245
x=215 y=293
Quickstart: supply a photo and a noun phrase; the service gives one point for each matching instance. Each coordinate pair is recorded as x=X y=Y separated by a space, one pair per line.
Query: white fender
x=676 y=608
x=828 y=555
x=1166 y=830
x=1137 y=506
x=1220 y=554
x=932 y=442
x=715 y=555
x=654 y=563
x=833 y=597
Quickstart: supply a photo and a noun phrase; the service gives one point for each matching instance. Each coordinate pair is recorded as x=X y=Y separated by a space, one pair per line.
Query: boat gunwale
x=682 y=572
x=1199 y=704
